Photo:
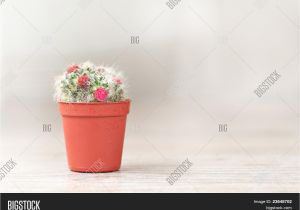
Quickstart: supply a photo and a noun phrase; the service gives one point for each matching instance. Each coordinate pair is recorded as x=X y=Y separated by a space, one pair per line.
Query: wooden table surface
x=218 y=166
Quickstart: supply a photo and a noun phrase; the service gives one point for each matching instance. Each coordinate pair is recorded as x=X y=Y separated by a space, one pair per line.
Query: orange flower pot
x=94 y=134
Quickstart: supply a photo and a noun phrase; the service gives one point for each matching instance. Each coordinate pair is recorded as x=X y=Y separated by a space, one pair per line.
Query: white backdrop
x=195 y=66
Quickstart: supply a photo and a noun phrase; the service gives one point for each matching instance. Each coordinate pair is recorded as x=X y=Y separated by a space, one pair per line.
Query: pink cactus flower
x=72 y=68
x=83 y=81
x=101 y=94
x=118 y=81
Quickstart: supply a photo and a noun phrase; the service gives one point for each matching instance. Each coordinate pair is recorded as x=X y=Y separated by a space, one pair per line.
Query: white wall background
x=196 y=66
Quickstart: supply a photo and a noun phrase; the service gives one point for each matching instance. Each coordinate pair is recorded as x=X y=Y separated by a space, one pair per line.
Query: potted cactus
x=93 y=103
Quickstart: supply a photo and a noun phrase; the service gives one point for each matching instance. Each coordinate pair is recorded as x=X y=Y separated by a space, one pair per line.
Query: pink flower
x=72 y=68
x=83 y=80
x=117 y=81
x=101 y=94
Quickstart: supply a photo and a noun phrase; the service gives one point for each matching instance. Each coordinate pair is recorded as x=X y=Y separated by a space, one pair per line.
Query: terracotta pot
x=94 y=134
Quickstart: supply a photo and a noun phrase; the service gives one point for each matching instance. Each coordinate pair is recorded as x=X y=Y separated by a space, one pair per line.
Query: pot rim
x=95 y=103
x=94 y=109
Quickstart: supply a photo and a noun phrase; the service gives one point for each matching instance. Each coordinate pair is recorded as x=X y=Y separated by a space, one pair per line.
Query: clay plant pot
x=94 y=134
